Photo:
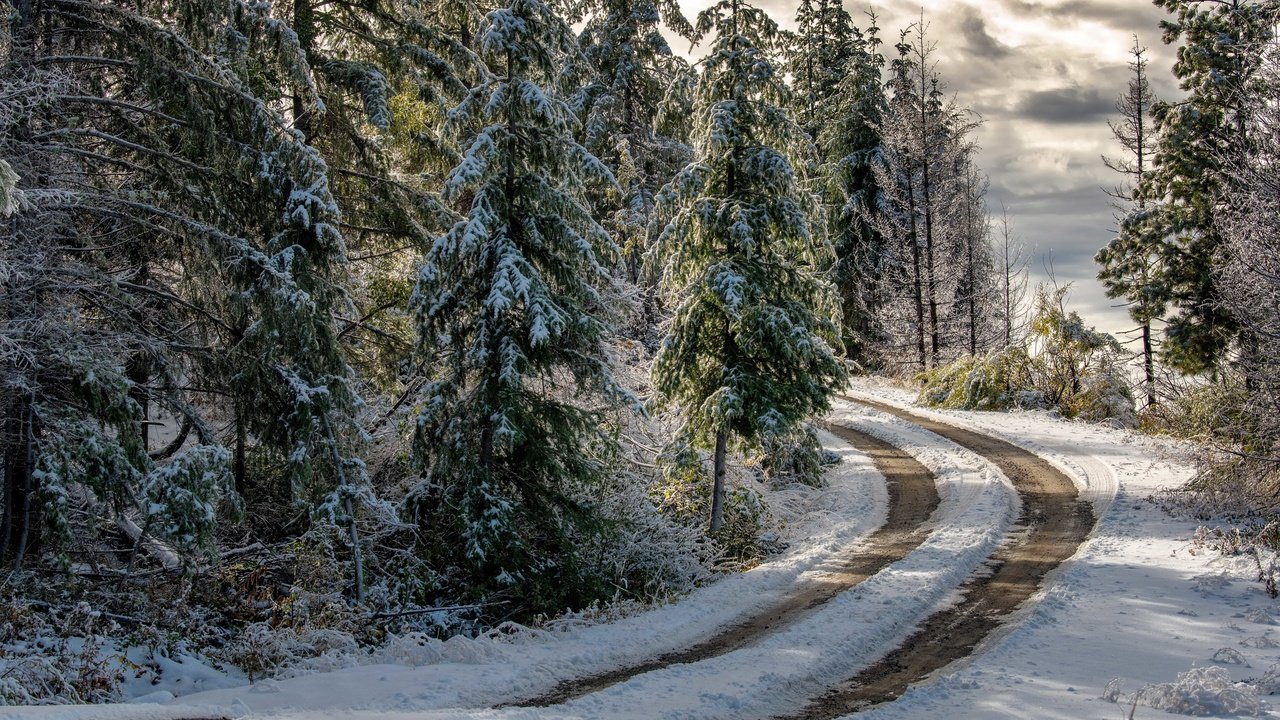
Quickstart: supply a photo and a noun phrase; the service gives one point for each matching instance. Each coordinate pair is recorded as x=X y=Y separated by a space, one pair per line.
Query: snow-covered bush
x=1202 y=691
x=1106 y=395
x=997 y=381
x=1068 y=366
x=794 y=457
x=643 y=552
x=57 y=660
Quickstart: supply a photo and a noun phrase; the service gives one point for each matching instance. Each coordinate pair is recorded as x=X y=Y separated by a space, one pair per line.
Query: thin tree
x=1128 y=263
x=749 y=353
x=1013 y=281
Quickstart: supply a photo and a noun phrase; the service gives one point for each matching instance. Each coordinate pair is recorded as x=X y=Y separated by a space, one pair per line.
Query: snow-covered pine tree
x=848 y=143
x=511 y=324
x=1221 y=43
x=209 y=249
x=749 y=351
x=386 y=72
x=1128 y=263
x=819 y=58
x=631 y=72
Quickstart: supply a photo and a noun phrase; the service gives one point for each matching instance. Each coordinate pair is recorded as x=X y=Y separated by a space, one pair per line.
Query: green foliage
x=1067 y=347
x=796 y=457
x=749 y=350
x=848 y=144
x=1068 y=366
x=1000 y=380
x=1178 y=235
x=632 y=73
x=512 y=325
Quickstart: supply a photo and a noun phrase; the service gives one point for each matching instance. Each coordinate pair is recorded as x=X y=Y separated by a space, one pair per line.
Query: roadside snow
x=820 y=524
x=1136 y=604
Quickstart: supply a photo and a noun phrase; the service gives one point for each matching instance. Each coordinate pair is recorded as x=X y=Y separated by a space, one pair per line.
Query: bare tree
x=1013 y=282
x=1250 y=282
x=923 y=180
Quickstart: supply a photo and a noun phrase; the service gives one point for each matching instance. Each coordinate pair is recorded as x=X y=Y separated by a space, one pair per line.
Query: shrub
x=997 y=381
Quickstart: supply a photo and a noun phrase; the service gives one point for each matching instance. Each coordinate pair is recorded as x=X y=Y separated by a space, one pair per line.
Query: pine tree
x=821 y=56
x=1129 y=264
x=849 y=143
x=1219 y=54
x=202 y=264
x=511 y=323
x=385 y=73
x=632 y=71
x=749 y=352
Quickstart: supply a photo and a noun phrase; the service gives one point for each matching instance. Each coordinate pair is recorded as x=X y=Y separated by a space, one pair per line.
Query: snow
x=1138 y=605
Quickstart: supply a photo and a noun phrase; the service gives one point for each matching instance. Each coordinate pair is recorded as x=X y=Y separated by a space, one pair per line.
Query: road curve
x=913 y=498
x=1053 y=523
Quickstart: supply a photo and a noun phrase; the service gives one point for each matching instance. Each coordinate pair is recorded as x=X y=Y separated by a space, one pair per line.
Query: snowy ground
x=1134 y=604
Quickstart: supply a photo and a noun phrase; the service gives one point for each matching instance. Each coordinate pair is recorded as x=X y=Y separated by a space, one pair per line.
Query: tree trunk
x=239 y=465
x=1148 y=363
x=304 y=24
x=931 y=282
x=973 y=280
x=717 y=488
x=22 y=509
x=918 y=278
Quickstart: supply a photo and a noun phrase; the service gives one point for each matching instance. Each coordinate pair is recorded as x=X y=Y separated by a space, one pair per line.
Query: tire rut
x=1052 y=525
x=913 y=498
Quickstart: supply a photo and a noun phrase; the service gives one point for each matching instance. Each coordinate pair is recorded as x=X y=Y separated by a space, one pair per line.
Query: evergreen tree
x=821 y=55
x=849 y=143
x=748 y=354
x=1128 y=263
x=632 y=72
x=201 y=268
x=511 y=323
x=1220 y=47
x=385 y=73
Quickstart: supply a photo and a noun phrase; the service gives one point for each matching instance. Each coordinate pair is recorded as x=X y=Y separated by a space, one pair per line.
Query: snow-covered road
x=1133 y=603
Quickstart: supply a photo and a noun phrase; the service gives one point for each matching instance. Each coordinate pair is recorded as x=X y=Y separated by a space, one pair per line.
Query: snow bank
x=820 y=524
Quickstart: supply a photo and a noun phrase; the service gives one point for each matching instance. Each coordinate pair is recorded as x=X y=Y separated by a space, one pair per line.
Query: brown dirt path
x=1053 y=524
x=913 y=497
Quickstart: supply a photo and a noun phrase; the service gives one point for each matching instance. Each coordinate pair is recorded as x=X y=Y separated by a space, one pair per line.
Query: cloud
x=1066 y=105
x=1135 y=16
x=977 y=40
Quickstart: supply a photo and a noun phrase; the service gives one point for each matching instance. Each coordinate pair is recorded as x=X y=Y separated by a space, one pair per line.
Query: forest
x=323 y=322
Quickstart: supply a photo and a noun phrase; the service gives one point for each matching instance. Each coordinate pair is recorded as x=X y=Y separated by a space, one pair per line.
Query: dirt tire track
x=1053 y=523
x=913 y=498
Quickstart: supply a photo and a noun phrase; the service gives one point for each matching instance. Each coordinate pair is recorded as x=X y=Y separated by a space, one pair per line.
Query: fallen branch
x=425 y=611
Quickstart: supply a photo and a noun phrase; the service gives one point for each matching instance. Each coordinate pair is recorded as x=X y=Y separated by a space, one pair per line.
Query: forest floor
x=999 y=564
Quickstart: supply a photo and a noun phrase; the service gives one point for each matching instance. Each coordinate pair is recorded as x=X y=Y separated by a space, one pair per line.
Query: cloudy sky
x=1044 y=75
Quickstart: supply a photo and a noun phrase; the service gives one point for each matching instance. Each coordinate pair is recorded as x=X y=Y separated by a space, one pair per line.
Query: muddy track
x=913 y=497
x=1053 y=523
